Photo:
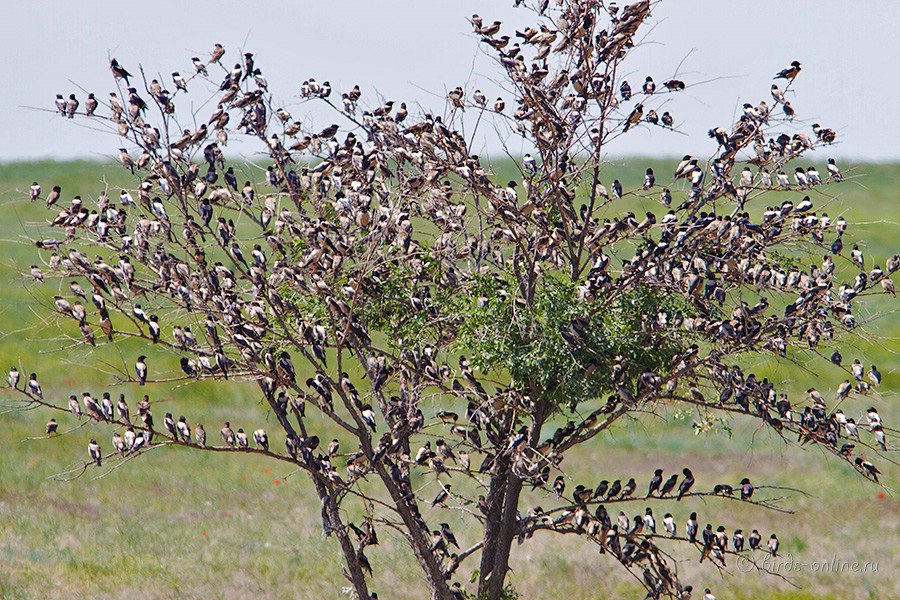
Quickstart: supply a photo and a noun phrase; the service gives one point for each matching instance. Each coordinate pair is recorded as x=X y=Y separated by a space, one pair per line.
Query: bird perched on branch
x=634 y=117
x=95 y=453
x=790 y=72
x=140 y=369
x=119 y=72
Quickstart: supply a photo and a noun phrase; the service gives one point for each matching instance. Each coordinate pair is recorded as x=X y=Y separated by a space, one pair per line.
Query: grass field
x=179 y=524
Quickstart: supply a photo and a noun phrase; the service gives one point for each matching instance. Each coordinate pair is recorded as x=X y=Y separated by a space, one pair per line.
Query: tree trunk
x=417 y=537
x=356 y=575
x=493 y=520
x=506 y=531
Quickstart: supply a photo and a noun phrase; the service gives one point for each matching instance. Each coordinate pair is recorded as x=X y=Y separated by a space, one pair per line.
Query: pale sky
x=415 y=50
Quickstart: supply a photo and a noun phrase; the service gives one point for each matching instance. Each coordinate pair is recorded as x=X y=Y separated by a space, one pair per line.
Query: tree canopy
x=463 y=332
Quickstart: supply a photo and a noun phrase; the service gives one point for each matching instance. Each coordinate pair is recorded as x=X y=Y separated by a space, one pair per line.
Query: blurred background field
x=193 y=525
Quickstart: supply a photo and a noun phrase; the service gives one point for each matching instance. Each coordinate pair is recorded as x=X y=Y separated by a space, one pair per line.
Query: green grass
x=184 y=524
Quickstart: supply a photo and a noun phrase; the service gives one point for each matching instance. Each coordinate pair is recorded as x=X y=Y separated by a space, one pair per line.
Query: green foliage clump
x=563 y=348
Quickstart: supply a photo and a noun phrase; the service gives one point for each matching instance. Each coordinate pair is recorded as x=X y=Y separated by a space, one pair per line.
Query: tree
x=444 y=320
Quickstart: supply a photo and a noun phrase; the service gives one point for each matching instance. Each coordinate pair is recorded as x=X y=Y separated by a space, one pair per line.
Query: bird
x=200 y=435
x=754 y=539
x=122 y=409
x=169 y=423
x=686 y=483
x=443 y=449
x=184 y=430
x=737 y=540
x=180 y=83
x=54 y=195
x=687 y=165
x=617 y=188
x=674 y=85
x=63 y=305
x=692 y=527
x=833 y=171
x=878 y=432
x=867 y=468
x=119 y=72
x=772 y=545
x=669 y=524
x=441 y=496
x=95 y=453
x=873 y=417
x=665 y=197
x=228 y=435
x=857 y=369
x=199 y=66
x=241 y=438
x=34 y=387
x=746 y=489
x=790 y=72
x=126 y=160
x=777 y=94
x=368 y=416
x=140 y=369
x=843 y=390
x=655 y=482
x=614 y=489
x=423 y=454
x=874 y=375
x=52 y=426
x=649 y=179
x=106 y=407
x=529 y=163
x=448 y=536
x=649 y=521
x=154 y=328
x=559 y=485
x=90 y=105
x=669 y=485
x=217 y=53
x=13 y=378
x=634 y=117
x=71 y=106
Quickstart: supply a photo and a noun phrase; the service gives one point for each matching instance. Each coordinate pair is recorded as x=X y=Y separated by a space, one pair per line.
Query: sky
x=416 y=50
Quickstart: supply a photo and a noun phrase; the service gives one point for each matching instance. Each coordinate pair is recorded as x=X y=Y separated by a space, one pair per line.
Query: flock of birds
x=727 y=252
